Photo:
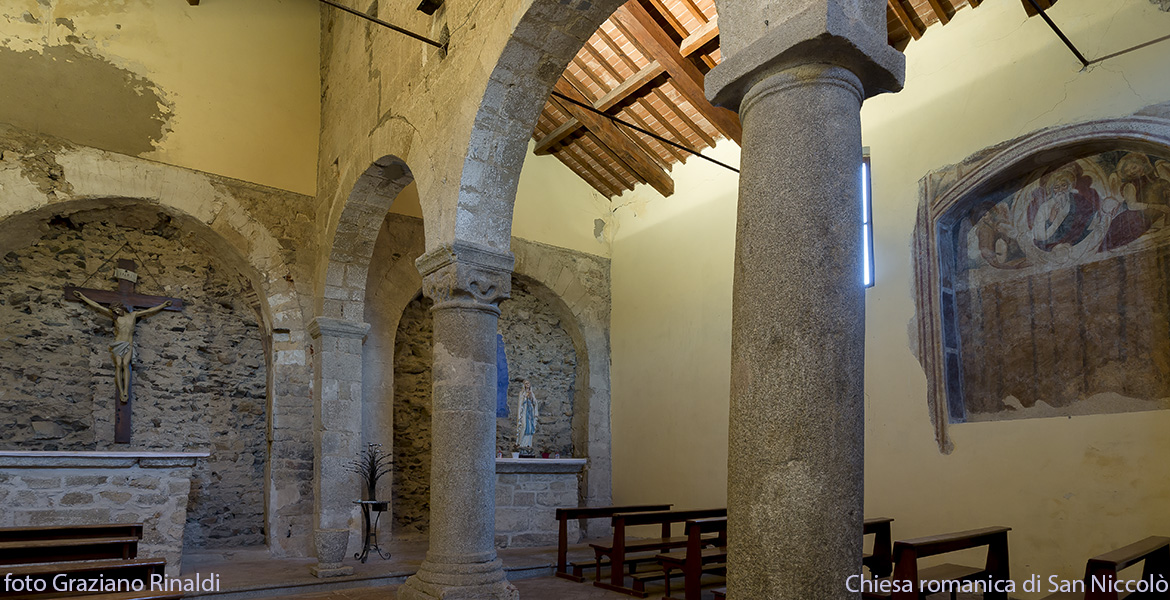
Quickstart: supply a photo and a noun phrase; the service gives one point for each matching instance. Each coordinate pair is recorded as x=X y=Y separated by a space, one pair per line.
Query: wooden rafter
x=622 y=146
x=904 y=18
x=630 y=87
x=702 y=36
x=640 y=28
x=939 y=11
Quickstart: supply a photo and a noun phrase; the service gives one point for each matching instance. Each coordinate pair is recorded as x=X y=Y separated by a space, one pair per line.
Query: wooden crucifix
x=123 y=308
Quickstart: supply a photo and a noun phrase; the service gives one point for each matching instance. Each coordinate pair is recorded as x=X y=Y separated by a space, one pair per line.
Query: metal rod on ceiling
x=557 y=94
x=1059 y=33
x=643 y=131
x=385 y=24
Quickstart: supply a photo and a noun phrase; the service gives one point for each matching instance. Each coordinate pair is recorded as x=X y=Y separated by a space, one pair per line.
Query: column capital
x=827 y=32
x=329 y=327
x=466 y=275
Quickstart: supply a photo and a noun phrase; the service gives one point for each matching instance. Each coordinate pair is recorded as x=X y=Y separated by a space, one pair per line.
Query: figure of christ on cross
x=123 y=347
x=119 y=305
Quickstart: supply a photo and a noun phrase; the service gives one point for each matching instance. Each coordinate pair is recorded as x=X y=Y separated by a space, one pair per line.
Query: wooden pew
x=564 y=515
x=140 y=568
x=620 y=548
x=907 y=553
x=880 y=561
x=702 y=555
x=1153 y=551
x=25 y=545
x=59 y=532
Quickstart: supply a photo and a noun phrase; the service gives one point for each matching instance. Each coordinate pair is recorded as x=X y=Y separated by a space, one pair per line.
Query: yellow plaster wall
x=237 y=83
x=1070 y=488
x=555 y=206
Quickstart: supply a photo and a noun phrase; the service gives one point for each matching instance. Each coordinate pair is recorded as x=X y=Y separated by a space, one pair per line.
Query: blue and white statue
x=526 y=413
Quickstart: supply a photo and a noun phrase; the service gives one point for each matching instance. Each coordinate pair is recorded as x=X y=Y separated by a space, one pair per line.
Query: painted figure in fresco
x=526 y=413
x=997 y=239
x=122 y=350
x=1063 y=208
x=1143 y=191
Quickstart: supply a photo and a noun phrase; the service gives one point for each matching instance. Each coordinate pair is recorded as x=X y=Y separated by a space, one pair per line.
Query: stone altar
x=78 y=488
x=528 y=493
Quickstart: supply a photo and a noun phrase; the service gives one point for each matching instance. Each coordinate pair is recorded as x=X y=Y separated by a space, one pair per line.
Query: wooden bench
x=907 y=552
x=1153 y=551
x=25 y=545
x=65 y=532
x=619 y=550
x=880 y=560
x=139 y=568
x=702 y=555
x=564 y=515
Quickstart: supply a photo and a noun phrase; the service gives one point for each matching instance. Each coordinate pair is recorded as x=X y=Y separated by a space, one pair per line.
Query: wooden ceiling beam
x=703 y=35
x=904 y=18
x=939 y=11
x=622 y=146
x=630 y=87
x=641 y=28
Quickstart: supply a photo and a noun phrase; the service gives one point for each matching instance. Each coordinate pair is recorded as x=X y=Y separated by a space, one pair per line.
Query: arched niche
x=202 y=377
x=1041 y=272
x=573 y=286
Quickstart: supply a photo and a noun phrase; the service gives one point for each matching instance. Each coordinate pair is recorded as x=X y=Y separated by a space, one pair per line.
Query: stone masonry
x=200 y=375
x=155 y=497
x=538 y=349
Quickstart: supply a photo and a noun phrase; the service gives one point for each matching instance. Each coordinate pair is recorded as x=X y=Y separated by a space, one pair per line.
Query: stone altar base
x=84 y=488
x=528 y=493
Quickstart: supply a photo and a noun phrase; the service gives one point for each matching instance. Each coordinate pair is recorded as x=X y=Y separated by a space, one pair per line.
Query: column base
x=469 y=581
x=324 y=571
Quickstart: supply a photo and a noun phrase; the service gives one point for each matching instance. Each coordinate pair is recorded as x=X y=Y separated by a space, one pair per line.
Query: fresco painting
x=1061 y=291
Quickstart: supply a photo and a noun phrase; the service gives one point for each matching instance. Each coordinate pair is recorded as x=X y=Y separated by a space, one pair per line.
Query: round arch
x=89 y=177
x=948 y=191
x=351 y=242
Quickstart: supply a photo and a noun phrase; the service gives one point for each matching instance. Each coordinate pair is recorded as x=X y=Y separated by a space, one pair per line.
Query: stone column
x=467 y=283
x=798 y=71
x=337 y=363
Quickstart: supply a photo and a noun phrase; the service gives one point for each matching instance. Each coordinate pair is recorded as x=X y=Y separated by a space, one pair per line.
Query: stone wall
x=538 y=349
x=200 y=375
x=412 y=419
x=526 y=505
x=155 y=497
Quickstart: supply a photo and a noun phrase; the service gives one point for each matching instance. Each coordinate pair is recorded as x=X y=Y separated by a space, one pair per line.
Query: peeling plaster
x=88 y=100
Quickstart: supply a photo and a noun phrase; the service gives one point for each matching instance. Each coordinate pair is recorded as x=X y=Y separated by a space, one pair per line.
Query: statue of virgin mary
x=526 y=414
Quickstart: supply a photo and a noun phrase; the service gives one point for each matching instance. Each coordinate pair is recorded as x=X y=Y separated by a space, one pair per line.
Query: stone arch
x=80 y=174
x=576 y=288
x=948 y=191
x=547 y=36
x=352 y=241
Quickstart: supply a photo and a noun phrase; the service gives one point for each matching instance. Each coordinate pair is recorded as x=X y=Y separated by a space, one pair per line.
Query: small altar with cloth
x=94 y=487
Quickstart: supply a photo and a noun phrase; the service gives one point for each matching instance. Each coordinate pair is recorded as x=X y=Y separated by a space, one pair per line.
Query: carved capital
x=839 y=33
x=464 y=275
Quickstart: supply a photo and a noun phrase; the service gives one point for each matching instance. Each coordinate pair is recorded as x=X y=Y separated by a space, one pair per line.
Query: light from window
x=867 y=277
